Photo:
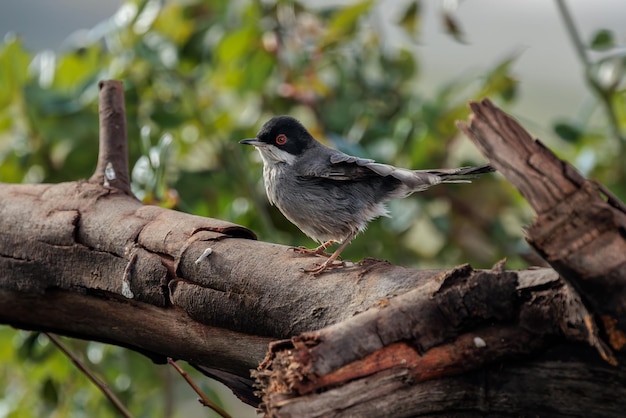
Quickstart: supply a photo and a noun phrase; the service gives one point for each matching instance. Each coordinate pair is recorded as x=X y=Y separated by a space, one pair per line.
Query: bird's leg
x=316 y=251
x=331 y=263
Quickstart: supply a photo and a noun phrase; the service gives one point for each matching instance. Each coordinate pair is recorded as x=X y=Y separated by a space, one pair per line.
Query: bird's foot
x=321 y=250
x=325 y=266
x=308 y=251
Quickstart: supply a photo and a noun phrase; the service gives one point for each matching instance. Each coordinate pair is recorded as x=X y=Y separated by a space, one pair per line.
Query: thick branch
x=546 y=386
x=467 y=320
x=110 y=243
x=451 y=325
x=93 y=258
x=580 y=229
x=103 y=266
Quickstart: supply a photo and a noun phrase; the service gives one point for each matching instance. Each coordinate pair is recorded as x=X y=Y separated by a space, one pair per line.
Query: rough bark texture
x=455 y=324
x=86 y=259
x=454 y=345
x=580 y=227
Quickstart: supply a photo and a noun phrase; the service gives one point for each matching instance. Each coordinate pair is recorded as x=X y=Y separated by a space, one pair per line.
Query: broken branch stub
x=112 y=167
x=90 y=261
x=459 y=322
x=580 y=227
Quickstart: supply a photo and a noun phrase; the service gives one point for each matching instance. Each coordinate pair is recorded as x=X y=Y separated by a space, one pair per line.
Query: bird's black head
x=287 y=134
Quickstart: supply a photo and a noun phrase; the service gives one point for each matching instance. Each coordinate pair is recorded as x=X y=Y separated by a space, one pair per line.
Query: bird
x=332 y=196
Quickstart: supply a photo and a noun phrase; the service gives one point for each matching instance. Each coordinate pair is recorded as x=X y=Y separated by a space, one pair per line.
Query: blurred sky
x=547 y=66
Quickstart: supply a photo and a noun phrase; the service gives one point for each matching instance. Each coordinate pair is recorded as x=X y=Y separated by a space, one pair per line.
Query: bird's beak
x=252 y=141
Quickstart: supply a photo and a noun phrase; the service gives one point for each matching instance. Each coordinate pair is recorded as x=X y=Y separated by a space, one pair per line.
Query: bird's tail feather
x=461 y=174
x=418 y=180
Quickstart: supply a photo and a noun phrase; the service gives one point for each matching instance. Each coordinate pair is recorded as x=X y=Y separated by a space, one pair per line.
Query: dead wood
x=462 y=321
x=580 y=227
x=87 y=259
x=378 y=362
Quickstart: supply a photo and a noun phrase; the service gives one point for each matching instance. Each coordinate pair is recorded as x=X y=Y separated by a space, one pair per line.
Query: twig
x=204 y=399
x=104 y=388
x=573 y=33
x=603 y=94
x=112 y=168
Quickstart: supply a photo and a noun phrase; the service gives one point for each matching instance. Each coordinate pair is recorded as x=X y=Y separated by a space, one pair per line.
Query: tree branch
x=102 y=266
x=459 y=322
x=580 y=228
x=112 y=168
x=104 y=388
x=605 y=96
x=203 y=398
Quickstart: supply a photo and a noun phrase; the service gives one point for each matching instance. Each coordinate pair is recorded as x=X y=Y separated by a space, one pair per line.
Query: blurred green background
x=199 y=76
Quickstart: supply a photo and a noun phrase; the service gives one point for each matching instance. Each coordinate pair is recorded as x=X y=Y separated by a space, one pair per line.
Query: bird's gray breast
x=323 y=209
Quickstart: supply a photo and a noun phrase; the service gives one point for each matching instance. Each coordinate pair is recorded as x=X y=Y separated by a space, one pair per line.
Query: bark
x=87 y=259
x=457 y=324
x=580 y=227
x=453 y=345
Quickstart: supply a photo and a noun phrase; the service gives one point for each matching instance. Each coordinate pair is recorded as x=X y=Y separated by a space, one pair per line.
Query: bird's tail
x=419 y=180
x=461 y=174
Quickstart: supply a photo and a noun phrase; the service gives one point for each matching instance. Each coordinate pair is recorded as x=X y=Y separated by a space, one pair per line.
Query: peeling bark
x=397 y=358
x=580 y=227
x=452 y=325
x=87 y=259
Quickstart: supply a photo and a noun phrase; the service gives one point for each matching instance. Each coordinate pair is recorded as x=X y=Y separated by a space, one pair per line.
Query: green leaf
x=500 y=81
x=50 y=392
x=344 y=22
x=410 y=20
x=453 y=27
x=602 y=40
x=402 y=65
x=14 y=62
x=567 y=131
x=236 y=44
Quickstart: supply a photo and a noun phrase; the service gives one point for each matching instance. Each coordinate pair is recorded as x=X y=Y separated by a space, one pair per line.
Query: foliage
x=199 y=76
x=599 y=144
x=37 y=380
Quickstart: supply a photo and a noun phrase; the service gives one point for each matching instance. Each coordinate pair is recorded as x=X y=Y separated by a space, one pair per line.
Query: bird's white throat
x=275 y=161
x=272 y=155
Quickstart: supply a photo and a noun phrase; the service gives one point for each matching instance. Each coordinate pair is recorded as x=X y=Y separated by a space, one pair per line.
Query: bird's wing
x=346 y=167
x=343 y=167
x=416 y=179
x=340 y=166
x=336 y=165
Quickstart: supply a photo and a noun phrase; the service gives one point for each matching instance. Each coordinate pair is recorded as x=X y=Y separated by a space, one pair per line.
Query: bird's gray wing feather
x=341 y=166
x=414 y=180
x=335 y=165
x=340 y=157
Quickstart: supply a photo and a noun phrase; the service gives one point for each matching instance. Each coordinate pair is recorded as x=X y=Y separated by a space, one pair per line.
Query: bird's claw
x=307 y=251
x=328 y=265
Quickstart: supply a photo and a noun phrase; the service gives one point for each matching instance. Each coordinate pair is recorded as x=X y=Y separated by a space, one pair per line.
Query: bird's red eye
x=281 y=139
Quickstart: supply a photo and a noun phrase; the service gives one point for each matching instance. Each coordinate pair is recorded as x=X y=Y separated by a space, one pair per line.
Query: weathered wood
x=83 y=236
x=461 y=321
x=112 y=169
x=157 y=332
x=580 y=227
x=122 y=260
x=546 y=386
x=87 y=259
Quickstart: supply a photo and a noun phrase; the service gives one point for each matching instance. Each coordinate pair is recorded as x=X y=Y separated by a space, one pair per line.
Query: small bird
x=332 y=196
